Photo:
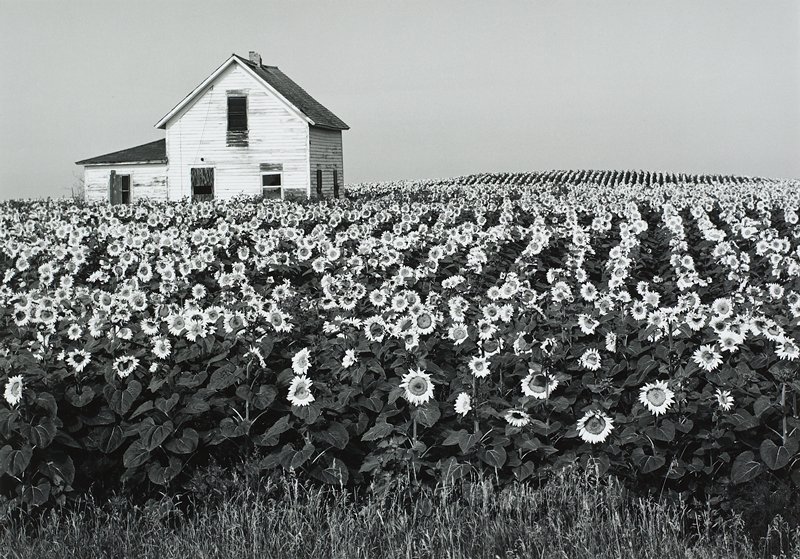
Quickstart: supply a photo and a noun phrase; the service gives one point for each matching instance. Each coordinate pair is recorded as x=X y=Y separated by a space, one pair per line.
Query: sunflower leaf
x=745 y=467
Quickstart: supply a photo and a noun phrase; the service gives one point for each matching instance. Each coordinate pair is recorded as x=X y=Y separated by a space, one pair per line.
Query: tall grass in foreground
x=570 y=516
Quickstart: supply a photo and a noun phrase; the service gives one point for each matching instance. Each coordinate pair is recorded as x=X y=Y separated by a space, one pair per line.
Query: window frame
x=122 y=189
x=237 y=137
x=228 y=114
x=271 y=173
x=335 y=183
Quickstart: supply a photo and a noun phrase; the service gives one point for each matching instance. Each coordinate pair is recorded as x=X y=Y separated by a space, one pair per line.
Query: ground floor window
x=125 y=188
x=271 y=180
x=271 y=184
x=335 y=183
x=202 y=183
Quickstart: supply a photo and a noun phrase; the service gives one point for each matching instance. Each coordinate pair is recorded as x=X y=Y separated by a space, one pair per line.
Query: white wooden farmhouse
x=246 y=130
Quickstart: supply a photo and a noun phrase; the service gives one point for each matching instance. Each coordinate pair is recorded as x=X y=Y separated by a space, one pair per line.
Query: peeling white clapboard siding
x=326 y=154
x=197 y=137
x=148 y=180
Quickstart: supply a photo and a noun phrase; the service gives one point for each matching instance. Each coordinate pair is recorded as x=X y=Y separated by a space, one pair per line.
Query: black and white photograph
x=400 y=279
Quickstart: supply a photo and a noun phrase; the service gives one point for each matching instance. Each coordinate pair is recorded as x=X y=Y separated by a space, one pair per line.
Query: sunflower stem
x=247 y=402
x=475 y=424
x=783 y=411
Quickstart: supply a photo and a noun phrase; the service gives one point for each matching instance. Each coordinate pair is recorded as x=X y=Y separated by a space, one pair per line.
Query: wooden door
x=114 y=188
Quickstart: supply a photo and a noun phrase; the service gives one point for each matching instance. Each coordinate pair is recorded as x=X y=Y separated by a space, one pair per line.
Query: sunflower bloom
x=517 y=418
x=463 y=404
x=13 y=392
x=300 y=391
x=301 y=362
x=590 y=359
x=656 y=397
x=724 y=399
x=78 y=359
x=418 y=387
x=595 y=426
x=539 y=385
x=707 y=357
x=479 y=366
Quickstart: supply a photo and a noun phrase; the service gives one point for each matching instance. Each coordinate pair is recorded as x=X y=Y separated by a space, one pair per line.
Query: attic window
x=237 y=114
x=237 y=120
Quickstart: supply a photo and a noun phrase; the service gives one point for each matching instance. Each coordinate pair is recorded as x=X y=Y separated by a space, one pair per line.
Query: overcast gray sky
x=429 y=89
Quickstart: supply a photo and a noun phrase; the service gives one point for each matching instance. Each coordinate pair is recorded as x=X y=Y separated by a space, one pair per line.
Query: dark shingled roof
x=152 y=152
x=296 y=95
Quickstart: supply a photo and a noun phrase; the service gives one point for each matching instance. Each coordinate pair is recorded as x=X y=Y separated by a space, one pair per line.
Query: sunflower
x=538 y=385
x=652 y=299
x=161 y=347
x=125 y=365
x=78 y=359
x=22 y=316
x=722 y=307
x=595 y=426
x=787 y=349
x=378 y=298
x=707 y=357
x=517 y=418
x=638 y=310
x=695 y=320
x=458 y=333
x=418 y=387
x=656 y=397
x=374 y=329
x=479 y=366
x=13 y=393
x=349 y=358
x=74 y=332
x=587 y=324
x=176 y=324
x=724 y=399
x=149 y=326
x=590 y=359
x=463 y=404
x=425 y=322
x=486 y=329
x=399 y=303
x=195 y=329
x=299 y=391
x=588 y=292
x=729 y=340
x=301 y=361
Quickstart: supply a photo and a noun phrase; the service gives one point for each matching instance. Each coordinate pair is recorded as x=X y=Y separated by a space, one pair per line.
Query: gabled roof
x=296 y=95
x=278 y=83
x=152 y=152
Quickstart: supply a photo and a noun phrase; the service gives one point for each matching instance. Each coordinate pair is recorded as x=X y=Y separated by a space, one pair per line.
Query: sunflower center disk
x=656 y=396
x=595 y=425
x=417 y=387
x=538 y=383
x=424 y=321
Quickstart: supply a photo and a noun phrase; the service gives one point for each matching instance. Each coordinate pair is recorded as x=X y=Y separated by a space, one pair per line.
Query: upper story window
x=237 y=113
x=237 y=120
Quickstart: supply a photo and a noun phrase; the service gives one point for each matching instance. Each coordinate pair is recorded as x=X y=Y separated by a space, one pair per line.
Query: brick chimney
x=255 y=58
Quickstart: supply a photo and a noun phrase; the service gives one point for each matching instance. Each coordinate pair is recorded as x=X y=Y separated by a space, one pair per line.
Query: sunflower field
x=644 y=325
